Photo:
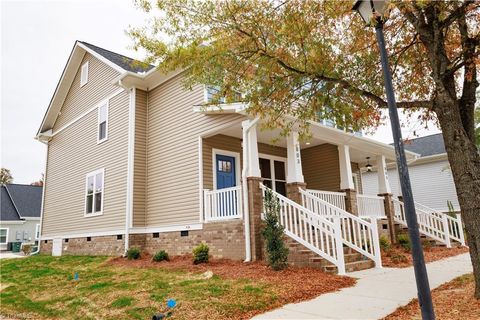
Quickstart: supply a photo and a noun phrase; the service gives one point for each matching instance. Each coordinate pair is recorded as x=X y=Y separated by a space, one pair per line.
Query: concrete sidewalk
x=378 y=293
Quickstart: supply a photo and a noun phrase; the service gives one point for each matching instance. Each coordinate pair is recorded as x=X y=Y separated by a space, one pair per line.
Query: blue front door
x=225 y=171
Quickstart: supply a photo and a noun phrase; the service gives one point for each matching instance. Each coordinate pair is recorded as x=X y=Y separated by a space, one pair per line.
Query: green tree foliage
x=5 y=176
x=272 y=232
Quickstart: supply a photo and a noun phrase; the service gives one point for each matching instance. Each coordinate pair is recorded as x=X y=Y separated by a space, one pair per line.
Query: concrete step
x=352 y=266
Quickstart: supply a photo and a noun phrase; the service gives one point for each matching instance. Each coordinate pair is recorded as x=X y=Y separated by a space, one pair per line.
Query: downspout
x=130 y=156
x=42 y=206
x=246 y=129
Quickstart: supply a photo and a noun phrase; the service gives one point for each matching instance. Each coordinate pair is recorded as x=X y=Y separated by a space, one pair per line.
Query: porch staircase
x=301 y=256
x=335 y=242
x=437 y=227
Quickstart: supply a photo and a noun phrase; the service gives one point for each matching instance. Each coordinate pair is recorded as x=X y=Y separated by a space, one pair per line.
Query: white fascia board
x=336 y=136
x=223 y=108
x=145 y=81
x=31 y=218
x=5 y=222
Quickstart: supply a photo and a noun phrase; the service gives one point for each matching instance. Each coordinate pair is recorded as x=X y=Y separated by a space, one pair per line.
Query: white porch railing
x=222 y=204
x=311 y=230
x=335 y=198
x=358 y=234
x=370 y=206
x=434 y=224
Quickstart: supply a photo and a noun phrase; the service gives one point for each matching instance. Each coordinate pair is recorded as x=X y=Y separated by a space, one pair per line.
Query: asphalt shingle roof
x=7 y=209
x=27 y=199
x=426 y=146
x=122 y=61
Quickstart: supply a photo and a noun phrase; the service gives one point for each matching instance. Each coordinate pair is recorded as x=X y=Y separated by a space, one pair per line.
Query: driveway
x=10 y=255
x=378 y=292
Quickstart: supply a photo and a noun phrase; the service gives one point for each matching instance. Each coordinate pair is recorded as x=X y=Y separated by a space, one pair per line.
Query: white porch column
x=383 y=184
x=252 y=157
x=294 y=165
x=346 y=176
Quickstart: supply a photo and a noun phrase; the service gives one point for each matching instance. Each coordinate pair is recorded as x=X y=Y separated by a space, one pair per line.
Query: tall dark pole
x=423 y=287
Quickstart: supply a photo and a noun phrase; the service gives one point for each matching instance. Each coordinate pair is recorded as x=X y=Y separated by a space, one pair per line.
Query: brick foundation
x=225 y=239
x=293 y=193
x=351 y=201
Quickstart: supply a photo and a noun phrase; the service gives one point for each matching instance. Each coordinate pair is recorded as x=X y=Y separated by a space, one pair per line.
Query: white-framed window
x=212 y=93
x=102 y=126
x=94 y=193
x=37 y=231
x=84 y=74
x=3 y=235
x=273 y=170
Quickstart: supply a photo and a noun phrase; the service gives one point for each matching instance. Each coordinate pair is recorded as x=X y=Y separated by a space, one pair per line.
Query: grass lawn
x=453 y=300
x=43 y=287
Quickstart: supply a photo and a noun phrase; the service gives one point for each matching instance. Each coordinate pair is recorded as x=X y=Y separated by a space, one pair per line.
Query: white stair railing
x=436 y=225
x=335 y=198
x=311 y=230
x=222 y=204
x=358 y=234
x=370 y=206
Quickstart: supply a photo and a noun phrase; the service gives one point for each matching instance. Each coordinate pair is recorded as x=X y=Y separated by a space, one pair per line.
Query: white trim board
x=227 y=153
x=96 y=106
x=195 y=226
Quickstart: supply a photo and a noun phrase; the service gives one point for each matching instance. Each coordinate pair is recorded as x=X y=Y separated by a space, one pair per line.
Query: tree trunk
x=464 y=161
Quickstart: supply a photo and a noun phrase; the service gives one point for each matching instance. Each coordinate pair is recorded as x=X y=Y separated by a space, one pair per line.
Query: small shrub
x=161 y=255
x=426 y=244
x=27 y=249
x=398 y=258
x=404 y=241
x=384 y=243
x=200 y=253
x=272 y=232
x=133 y=253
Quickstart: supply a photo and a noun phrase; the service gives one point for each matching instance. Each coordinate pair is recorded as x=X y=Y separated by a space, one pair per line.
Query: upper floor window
x=84 y=74
x=214 y=95
x=102 y=122
x=94 y=193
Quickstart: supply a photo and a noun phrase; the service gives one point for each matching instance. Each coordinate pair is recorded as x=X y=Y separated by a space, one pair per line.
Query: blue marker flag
x=171 y=303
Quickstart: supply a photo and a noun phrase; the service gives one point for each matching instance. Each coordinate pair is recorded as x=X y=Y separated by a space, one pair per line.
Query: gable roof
x=126 y=63
x=27 y=199
x=122 y=64
x=7 y=209
x=426 y=146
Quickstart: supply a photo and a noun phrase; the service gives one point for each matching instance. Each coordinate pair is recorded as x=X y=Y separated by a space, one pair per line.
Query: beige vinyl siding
x=321 y=168
x=172 y=152
x=272 y=150
x=72 y=154
x=81 y=99
x=140 y=160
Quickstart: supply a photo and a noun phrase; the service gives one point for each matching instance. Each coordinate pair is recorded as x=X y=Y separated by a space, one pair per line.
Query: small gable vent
x=84 y=74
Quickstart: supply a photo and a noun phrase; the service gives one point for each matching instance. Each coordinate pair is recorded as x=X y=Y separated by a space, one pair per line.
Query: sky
x=36 y=40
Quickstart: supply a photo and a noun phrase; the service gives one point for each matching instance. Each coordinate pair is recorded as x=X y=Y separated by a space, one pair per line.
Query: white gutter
x=42 y=206
x=130 y=156
x=246 y=130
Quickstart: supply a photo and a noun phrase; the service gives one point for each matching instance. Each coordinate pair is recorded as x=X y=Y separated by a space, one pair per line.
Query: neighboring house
x=430 y=175
x=136 y=159
x=19 y=214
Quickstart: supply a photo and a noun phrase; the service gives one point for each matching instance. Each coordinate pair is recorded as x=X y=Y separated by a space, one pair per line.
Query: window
x=37 y=231
x=94 y=193
x=84 y=74
x=213 y=94
x=3 y=235
x=102 y=122
x=273 y=173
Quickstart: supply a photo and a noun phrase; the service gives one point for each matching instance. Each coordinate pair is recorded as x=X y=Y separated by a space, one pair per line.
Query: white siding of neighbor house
x=74 y=152
x=172 y=152
x=432 y=184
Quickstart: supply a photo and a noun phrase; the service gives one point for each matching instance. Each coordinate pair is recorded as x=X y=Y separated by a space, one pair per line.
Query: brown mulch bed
x=292 y=284
x=453 y=300
x=393 y=257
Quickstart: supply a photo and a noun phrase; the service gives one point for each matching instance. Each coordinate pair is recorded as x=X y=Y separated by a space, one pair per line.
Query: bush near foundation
x=200 y=253
x=404 y=241
x=161 y=255
x=384 y=243
x=133 y=254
